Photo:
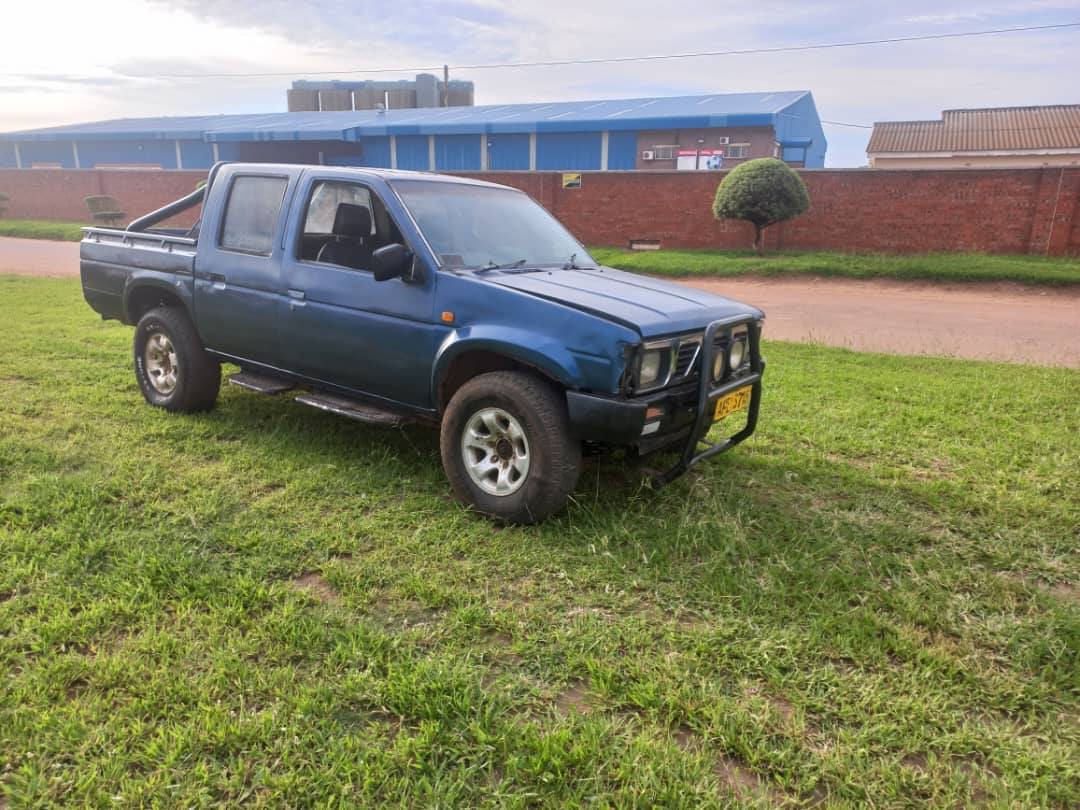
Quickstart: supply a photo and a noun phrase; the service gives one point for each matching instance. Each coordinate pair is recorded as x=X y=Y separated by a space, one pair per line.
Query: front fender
x=538 y=351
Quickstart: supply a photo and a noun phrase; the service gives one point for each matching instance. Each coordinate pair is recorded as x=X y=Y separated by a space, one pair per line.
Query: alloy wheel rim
x=496 y=451
x=159 y=358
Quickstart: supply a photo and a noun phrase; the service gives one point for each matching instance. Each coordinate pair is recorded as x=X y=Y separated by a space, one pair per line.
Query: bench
x=104 y=209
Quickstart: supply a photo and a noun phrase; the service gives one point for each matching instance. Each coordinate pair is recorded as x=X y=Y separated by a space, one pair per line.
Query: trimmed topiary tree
x=761 y=192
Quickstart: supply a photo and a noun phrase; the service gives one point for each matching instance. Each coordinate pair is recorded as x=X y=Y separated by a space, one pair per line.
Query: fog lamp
x=736 y=354
x=718 y=365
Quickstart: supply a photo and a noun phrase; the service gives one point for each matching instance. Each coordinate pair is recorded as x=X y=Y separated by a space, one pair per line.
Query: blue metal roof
x=680 y=112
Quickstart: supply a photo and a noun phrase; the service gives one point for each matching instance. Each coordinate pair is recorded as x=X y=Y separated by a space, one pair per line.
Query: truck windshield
x=476 y=227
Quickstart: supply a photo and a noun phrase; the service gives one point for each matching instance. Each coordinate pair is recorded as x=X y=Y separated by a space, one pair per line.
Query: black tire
x=554 y=455
x=197 y=374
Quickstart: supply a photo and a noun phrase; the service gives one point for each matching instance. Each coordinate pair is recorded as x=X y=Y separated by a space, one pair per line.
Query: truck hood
x=648 y=305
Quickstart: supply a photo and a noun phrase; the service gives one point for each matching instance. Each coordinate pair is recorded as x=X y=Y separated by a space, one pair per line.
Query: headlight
x=737 y=353
x=651 y=363
x=717 y=366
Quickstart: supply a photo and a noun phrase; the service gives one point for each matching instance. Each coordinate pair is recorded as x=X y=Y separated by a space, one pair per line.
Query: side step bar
x=353 y=409
x=257 y=382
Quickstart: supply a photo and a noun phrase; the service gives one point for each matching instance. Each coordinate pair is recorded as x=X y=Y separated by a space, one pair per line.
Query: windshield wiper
x=571 y=265
x=508 y=266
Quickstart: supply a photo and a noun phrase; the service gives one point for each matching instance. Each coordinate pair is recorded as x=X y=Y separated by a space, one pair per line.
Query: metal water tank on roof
x=459 y=94
x=367 y=98
x=335 y=100
x=428 y=93
x=303 y=100
x=403 y=98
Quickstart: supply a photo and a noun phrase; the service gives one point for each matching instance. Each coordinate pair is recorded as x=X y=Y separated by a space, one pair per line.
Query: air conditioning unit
x=647 y=154
x=724 y=140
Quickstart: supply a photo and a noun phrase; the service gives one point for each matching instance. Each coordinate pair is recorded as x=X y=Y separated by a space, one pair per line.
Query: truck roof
x=370 y=171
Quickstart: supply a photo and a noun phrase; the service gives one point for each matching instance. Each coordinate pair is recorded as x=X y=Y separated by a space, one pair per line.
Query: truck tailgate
x=109 y=259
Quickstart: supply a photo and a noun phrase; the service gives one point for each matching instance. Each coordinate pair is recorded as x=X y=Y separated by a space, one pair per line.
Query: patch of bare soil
x=743 y=782
x=735 y=775
x=573 y=699
x=315 y=584
x=917 y=762
x=1069 y=591
x=780 y=704
x=392 y=723
x=402 y=614
x=978 y=772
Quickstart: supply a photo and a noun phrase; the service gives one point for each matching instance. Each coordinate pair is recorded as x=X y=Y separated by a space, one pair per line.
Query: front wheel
x=173 y=369
x=507 y=449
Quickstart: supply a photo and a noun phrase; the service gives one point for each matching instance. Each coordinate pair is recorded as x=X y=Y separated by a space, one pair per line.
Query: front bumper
x=687 y=409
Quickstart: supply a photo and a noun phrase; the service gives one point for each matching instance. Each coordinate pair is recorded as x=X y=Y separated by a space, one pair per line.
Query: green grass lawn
x=874 y=601
x=929 y=267
x=42 y=229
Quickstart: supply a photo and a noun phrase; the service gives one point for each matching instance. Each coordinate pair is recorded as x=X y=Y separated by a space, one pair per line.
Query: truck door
x=342 y=326
x=238 y=302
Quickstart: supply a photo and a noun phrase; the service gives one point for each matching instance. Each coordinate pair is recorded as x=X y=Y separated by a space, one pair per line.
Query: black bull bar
x=708 y=394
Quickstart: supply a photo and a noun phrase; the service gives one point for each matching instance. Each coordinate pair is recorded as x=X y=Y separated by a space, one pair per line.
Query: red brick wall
x=59 y=193
x=858 y=210
x=854 y=210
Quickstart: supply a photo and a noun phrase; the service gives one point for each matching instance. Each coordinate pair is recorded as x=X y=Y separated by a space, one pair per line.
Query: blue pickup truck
x=391 y=296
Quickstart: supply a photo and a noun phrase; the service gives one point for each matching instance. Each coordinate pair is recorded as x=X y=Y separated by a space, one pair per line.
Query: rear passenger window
x=251 y=214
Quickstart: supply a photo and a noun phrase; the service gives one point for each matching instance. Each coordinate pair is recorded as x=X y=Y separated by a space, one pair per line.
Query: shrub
x=761 y=192
x=3 y=199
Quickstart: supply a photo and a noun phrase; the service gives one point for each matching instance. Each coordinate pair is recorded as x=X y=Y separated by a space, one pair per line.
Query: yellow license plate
x=731 y=403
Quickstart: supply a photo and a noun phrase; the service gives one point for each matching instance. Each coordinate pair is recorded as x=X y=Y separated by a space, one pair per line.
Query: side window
x=251 y=214
x=344 y=224
x=325 y=199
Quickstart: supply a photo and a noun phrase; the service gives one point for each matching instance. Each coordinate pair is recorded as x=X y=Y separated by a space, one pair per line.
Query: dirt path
x=39 y=257
x=1007 y=322
x=984 y=321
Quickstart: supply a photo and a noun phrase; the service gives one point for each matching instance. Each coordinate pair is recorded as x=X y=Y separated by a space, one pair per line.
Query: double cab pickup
x=392 y=296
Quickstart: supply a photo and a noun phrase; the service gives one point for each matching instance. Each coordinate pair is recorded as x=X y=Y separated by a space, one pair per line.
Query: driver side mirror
x=392 y=261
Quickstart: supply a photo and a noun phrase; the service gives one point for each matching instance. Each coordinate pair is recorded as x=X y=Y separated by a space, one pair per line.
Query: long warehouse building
x=689 y=133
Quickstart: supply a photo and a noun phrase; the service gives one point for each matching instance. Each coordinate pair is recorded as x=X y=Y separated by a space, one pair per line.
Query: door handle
x=217 y=280
x=297 y=295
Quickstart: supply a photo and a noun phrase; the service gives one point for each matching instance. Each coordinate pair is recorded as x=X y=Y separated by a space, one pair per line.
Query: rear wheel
x=173 y=369
x=507 y=449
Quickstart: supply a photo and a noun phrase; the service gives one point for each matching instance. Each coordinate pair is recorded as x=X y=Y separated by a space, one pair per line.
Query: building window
x=737 y=150
x=664 y=152
x=252 y=213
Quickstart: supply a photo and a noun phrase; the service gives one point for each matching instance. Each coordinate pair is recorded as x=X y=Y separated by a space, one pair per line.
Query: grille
x=684 y=360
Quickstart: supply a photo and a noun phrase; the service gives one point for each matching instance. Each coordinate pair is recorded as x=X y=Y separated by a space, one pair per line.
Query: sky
x=67 y=62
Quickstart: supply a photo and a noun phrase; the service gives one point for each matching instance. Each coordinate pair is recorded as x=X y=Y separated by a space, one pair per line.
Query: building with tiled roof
x=999 y=137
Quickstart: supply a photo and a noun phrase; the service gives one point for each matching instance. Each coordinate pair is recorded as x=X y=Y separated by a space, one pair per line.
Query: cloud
x=97 y=66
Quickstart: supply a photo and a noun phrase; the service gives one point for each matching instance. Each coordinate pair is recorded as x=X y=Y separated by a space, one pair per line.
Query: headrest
x=352 y=220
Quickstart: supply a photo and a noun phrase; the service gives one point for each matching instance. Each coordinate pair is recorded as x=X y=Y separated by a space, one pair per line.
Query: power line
x=607 y=60
x=846 y=124
x=779 y=49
